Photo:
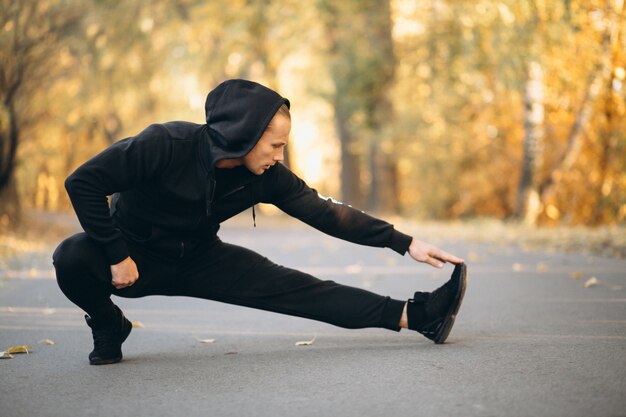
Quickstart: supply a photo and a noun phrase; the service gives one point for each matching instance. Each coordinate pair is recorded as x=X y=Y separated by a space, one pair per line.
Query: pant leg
x=222 y=272
x=84 y=275
x=237 y=275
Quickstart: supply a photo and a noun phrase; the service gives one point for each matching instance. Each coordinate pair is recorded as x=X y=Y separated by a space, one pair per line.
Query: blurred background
x=426 y=109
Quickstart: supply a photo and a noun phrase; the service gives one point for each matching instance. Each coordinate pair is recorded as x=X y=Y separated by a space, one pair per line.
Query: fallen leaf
x=19 y=349
x=590 y=282
x=206 y=340
x=49 y=342
x=576 y=275
x=48 y=311
x=517 y=267
x=5 y=355
x=391 y=261
x=138 y=324
x=353 y=269
x=473 y=257
x=305 y=342
x=367 y=281
x=542 y=267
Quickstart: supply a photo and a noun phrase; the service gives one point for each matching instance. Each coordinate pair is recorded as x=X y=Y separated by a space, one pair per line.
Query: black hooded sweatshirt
x=169 y=197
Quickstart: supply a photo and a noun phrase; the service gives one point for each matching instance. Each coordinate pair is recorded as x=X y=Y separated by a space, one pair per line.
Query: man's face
x=270 y=149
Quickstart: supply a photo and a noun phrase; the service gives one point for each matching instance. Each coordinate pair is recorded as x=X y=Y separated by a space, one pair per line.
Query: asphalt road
x=530 y=340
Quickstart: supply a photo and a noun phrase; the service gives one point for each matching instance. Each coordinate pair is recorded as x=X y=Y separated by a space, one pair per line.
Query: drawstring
x=253 y=216
x=209 y=194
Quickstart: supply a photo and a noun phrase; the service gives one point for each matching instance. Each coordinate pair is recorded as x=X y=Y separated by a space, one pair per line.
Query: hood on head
x=237 y=114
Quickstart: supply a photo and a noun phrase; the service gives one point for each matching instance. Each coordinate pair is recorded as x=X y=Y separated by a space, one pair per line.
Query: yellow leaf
x=473 y=257
x=49 y=342
x=305 y=342
x=353 y=269
x=19 y=349
x=138 y=324
x=517 y=267
x=590 y=282
x=542 y=267
x=576 y=275
x=552 y=212
x=391 y=261
x=206 y=340
x=5 y=355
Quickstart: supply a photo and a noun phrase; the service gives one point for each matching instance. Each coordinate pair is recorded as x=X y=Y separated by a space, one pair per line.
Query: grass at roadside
x=36 y=235
x=609 y=241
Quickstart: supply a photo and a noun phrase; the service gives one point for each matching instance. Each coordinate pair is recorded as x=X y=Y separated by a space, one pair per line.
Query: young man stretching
x=174 y=183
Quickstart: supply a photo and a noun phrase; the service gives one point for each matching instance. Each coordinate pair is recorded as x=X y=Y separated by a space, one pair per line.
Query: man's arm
x=289 y=193
x=117 y=168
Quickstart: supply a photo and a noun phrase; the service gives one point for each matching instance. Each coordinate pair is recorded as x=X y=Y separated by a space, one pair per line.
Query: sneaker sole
x=105 y=361
x=460 y=273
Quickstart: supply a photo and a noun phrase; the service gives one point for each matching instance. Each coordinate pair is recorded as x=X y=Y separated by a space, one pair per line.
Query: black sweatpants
x=222 y=272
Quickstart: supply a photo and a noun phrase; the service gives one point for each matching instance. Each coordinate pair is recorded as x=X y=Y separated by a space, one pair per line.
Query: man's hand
x=124 y=274
x=427 y=253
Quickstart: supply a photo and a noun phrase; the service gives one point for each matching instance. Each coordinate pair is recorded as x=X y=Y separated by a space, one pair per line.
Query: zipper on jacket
x=182 y=248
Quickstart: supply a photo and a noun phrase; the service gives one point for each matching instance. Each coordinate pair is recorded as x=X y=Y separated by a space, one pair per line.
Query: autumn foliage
x=429 y=108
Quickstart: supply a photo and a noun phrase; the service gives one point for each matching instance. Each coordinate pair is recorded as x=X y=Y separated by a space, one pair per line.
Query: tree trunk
x=528 y=204
x=9 y=137
x=350 y=172
x=609 y=134
x=383 y=196
x=598 y=79
x=10 y=207
x=9 y=198
x=609 y=140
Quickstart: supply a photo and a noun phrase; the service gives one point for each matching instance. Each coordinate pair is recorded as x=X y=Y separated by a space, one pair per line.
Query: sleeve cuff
x=116 y=251
x=400 y=242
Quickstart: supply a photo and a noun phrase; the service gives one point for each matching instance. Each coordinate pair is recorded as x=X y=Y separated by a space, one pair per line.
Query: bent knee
x=74 y=252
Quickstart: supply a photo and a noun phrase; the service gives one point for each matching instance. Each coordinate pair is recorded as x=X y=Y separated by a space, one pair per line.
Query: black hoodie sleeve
x=288 y=192
x=118 y=168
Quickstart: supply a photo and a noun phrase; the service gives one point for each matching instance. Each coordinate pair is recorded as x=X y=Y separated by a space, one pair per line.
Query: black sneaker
x=108 y=338
x=432 y=314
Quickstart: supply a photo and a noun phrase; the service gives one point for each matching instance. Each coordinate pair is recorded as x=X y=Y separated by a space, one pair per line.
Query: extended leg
x=240 y=276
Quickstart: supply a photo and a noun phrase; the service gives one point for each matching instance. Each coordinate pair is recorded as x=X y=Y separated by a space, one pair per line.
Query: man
x=172 y=186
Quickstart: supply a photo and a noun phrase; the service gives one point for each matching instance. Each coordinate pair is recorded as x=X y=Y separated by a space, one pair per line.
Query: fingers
x=434 y=262
x=120 y=285
x=447 y=257
x=124 y=274
x=124 y=281
x=427 y=253
x=438 y=258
